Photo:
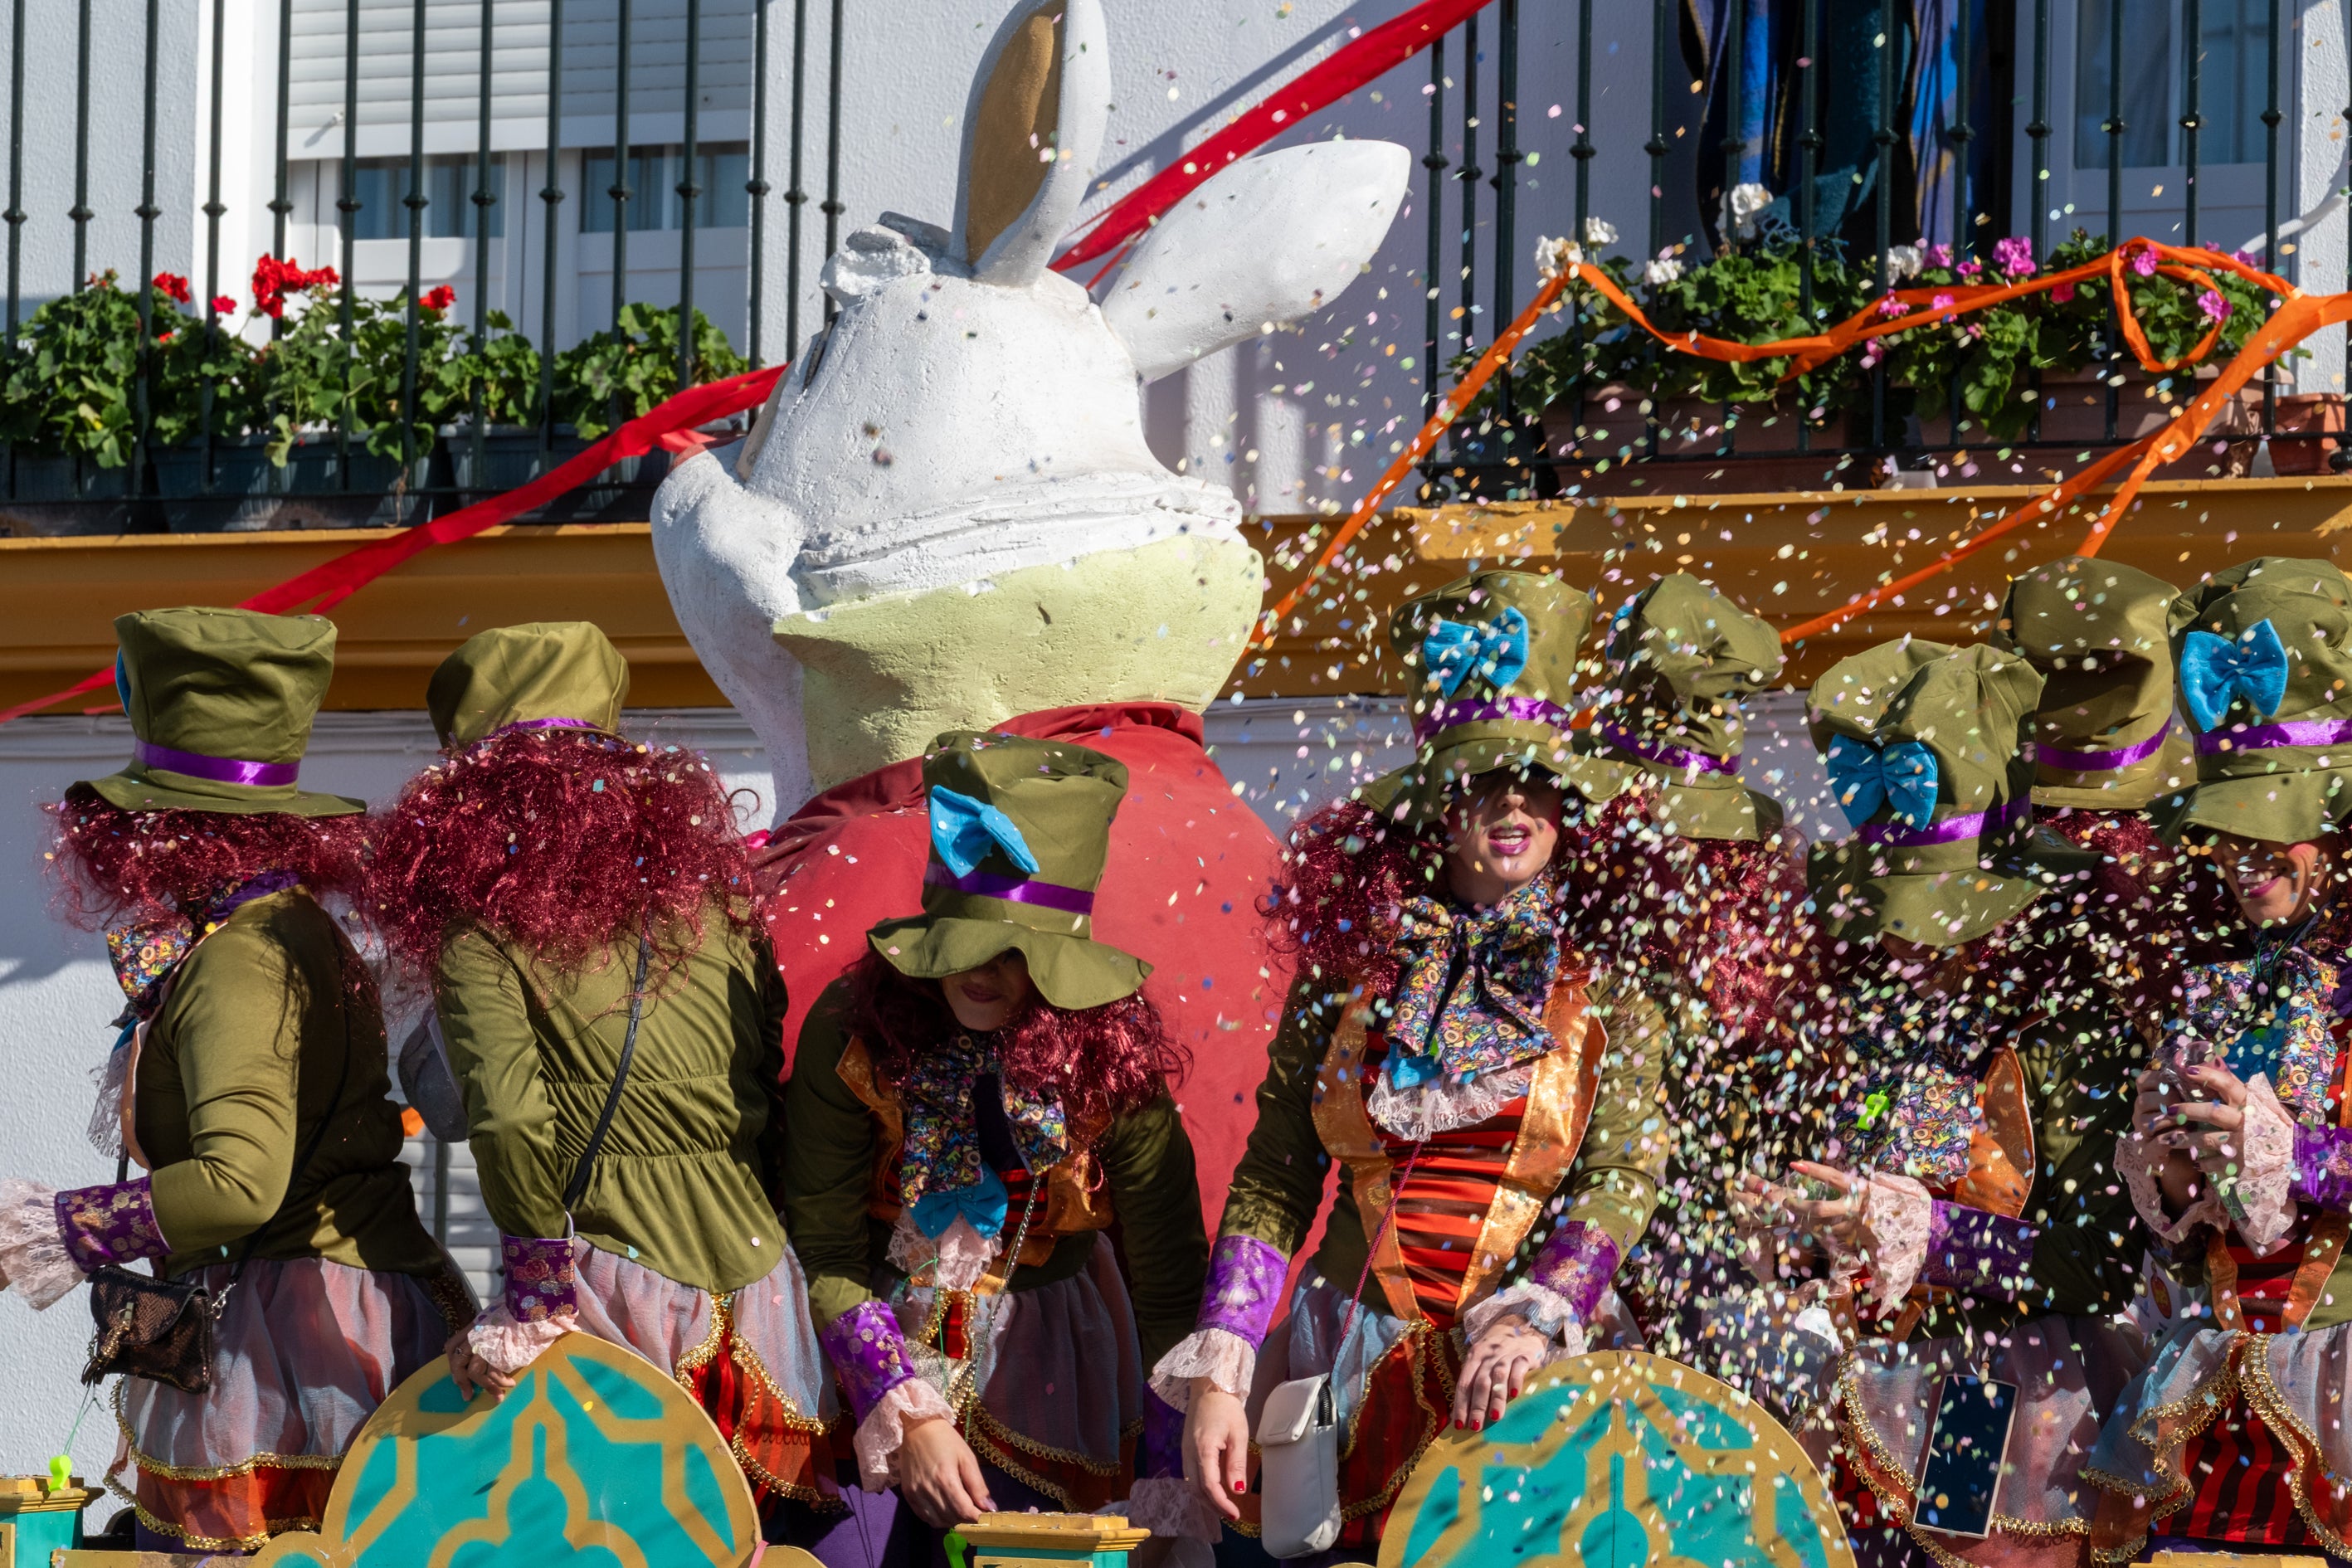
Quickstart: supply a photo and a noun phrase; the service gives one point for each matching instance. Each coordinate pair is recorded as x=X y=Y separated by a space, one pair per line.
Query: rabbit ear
x=1268 y=239
x=1031 y=129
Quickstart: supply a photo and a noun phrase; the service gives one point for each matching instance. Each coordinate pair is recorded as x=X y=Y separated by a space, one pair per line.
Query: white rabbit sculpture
x=946 y=513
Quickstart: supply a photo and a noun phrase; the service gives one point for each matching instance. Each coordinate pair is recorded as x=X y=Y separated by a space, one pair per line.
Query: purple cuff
x=113 y=1224
x=1245 y=1285
x=1162 y=1453
x=539 y=1278
x=1575 y=1264
x=2323 y=1168
x=870 y=1352
x=1978 y=1251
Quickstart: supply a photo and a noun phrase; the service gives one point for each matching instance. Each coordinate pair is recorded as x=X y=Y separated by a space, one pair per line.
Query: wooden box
x=1051 y=1540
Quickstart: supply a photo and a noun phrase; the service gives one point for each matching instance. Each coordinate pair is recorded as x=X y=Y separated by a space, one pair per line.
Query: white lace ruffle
x=2137 y=1160
x=2262 y=1201
x=959 y=1257
x=885 y=1428
x=33 y=1262
x=1220 y=1356
x=1546 y=1311
x=1442 y=1104
x=1900 y=1213
x=509 y=1344
x=1170 y=1506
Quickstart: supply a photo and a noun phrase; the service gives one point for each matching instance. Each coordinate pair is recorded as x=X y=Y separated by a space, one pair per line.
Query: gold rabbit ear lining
x=1012 y=143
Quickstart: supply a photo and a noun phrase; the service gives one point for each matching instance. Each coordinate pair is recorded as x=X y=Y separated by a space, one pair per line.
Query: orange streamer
x=2296 y=317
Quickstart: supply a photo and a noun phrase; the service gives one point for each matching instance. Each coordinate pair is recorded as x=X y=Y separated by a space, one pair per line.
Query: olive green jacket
x=1613 y=1183
x=682 y=1183
x=834 y=1143
x=238 y=1073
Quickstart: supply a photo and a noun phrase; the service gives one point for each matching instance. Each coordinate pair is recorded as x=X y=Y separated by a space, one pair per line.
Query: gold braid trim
x=269 y=1527
x=977 y=1418
x=2263 y=1397
x=155 y=1467
x=1417 y=1341
x=702 y=1355
x=2204 y=1406
x=747 y=1361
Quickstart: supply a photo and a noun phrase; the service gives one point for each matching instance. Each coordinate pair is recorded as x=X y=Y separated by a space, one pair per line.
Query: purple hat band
x=1011 y=889
x=2050 y=756
x=1667 y=756
x=2262 y=737
x=1951 y=830
x=1526 y=709
x=214 y=770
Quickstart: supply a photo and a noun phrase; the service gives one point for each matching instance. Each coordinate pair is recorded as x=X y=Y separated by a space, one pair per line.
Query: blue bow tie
x=982 y=1204
x=1455 y=650
x=1902 y=777
x=2215 y=671
x=963 y=830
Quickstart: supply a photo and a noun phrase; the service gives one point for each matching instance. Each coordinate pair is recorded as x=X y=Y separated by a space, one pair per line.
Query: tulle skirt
x=2070 y=1373
x=751 y=1360
x=304 y=1351
x=1054 y=1395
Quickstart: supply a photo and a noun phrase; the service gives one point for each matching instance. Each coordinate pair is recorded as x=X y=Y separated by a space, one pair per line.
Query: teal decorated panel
x=1619 y=1460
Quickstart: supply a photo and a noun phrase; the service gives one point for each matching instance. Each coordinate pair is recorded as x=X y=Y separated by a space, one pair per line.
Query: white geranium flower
x=1599 y=232
x=1743 y=203
x=1904 y=260
x=1554 y=256
x=1661 y=270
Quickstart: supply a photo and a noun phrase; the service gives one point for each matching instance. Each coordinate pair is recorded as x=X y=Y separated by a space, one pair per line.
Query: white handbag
x=1298 y=1469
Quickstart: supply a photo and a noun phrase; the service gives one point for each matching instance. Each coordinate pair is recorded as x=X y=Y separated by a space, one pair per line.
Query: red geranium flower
x=224 y=304
x=274 y=279
x=174 y=286
x=439 y=298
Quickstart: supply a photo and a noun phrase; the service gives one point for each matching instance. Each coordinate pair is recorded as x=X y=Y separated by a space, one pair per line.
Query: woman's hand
x=2215 y=1122
x=1216 y=1446
x=1841 y=1223
x=1495 y=1370
x=939 y=1476
x=2154 y=1104
x=469 y=1371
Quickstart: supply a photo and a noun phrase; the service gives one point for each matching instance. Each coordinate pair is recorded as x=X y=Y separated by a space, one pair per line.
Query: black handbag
x=162 y=1330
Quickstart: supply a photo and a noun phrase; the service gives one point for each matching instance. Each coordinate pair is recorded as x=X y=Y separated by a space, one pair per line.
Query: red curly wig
x=109 y=866
x=1100 y=1062
x=562 y=841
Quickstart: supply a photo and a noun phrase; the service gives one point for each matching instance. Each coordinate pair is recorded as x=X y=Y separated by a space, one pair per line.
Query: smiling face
x=983 y=1000
x=1500 y=835
x=2275 y=884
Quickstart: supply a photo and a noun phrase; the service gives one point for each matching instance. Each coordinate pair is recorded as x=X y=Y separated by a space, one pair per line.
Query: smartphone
x=1968 y=1443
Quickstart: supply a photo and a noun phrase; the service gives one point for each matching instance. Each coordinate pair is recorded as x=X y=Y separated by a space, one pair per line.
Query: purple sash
x=216 y=770
x=1667 y=756
x=1013 y=890
x=1526 y=709
x=2051 y=756
x=2263 y=737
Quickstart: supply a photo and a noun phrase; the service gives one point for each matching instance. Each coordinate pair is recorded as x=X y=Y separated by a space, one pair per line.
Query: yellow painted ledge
x=1788 y=556
x=58 y=599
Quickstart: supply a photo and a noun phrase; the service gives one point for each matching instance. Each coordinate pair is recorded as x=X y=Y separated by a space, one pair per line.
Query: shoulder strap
x=579 y=1182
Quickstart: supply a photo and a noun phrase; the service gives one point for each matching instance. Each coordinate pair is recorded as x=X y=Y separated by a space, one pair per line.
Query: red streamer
x=1359 y=60
x=331 y=582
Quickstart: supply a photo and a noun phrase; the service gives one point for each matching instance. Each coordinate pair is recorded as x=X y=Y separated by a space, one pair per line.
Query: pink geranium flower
x=2144 y=263
x=1892 y=307
x=2014 y=255
x=2217 y=310
x=1939 y=255
x=2061 y=294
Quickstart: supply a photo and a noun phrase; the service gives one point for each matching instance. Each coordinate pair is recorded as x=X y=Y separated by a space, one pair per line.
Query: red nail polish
x=1242 y=1491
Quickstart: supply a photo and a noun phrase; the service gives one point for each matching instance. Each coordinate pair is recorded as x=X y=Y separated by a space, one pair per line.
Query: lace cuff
x=508 y=1345
x=540 y=1282
x=1221 y=1356
x=1547 y=1312
x=1170 y=1505
x=2262 y=1200
x=33 y=1262
x=1987 y=1254
x=113 y=1224
x=2136 y=1160
x=1575 y=1264
x=883 y=1428
x=1902 y=1222
x=1245 y=1285
x=870 y=1352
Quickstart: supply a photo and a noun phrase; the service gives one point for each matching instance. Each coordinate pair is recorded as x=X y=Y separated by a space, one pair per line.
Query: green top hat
x=1019 y=832
x=2265 y=658
x=543 y=675
x=1495 y=655
x=2104 y=734
x=1923 y=746
x=1683 y=656
x=221 y=703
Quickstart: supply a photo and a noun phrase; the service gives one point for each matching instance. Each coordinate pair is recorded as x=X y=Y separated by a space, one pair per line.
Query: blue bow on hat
x=1901 y=778
x=982 y=1204
x=963 y=830
x=1454 y=650
x=2214 y=671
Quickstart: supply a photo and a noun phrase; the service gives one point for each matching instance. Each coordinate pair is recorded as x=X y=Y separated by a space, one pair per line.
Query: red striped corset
x=1442 y=1205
